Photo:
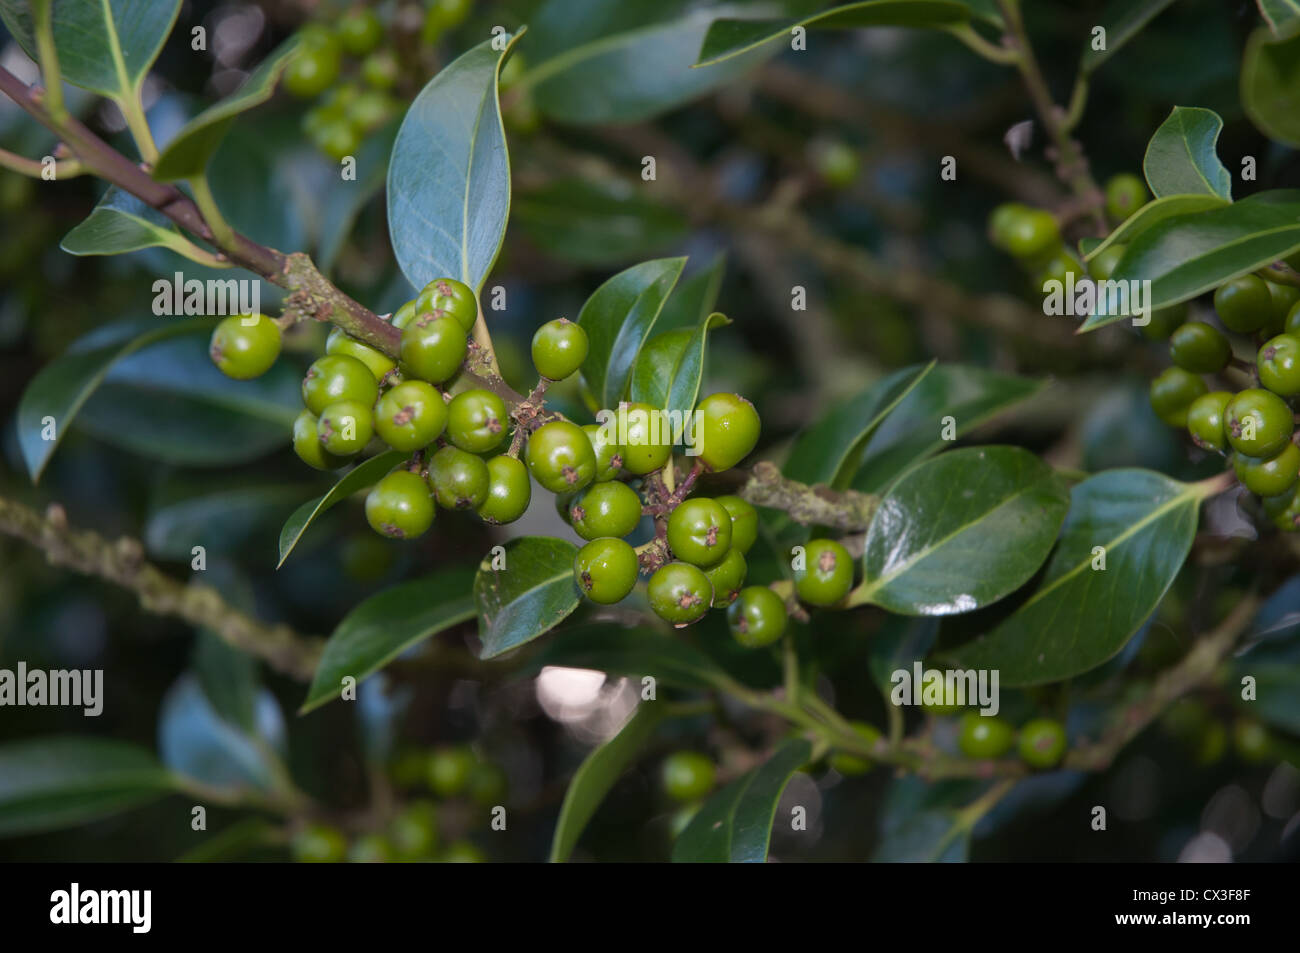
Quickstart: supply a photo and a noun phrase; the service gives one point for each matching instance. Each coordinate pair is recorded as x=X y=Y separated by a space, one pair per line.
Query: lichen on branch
x=815 y=505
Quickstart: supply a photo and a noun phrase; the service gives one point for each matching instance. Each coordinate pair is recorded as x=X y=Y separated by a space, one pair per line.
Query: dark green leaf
x=533 y=594
x=1282 y=16
x=926 y=837
x=670 y=367
x=694 y=298
x=215 y=513
x=197 y=742
x=1123 y=20
x=1181 y=157
x=347 y=199
x=592 y=224
x=122 y=223
x=899 y=643
x=229 y=679
x=1155 y=211
x=597 y=775
x=634 y=652
x=386 y=625
x=360 y=477
x=1270 y=85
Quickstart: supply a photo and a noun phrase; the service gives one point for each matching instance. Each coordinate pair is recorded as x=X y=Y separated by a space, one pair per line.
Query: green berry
x=245 y=346
x=687 y=775
x=1200 y=348
x=757 y=617
x=1003 y=221
x=699 y=531
x=1032 y=234
x=727 y=578
x=1279 y=365
x=1103 y=264
x=1251 y=740
x=414 y=831
x=728 y=430
x=447 y=297
x=679 y=593
x=360 y=30
x=379 y=363
x=648 y=437
x=605 y=570
x=1284 y=510
x=1292 y=323
x=744 y=522
x=1243 y=304
x=460 y=480
x=338 y=139
x=1285 y=297
x=399 y=506
x=1258 y=422
x=337 y=377
x=1173 y=392
x=433 y=348
x=410 y=416
x=380 y=70
x=370 y=110
x=371 y=849
x=849 y=764
x=1125 y=194
x=477 y=420
x=1058 y=267
x=345 y=427
x=1164 y=322
x=605 y=509
x=319 y=844
x=560 y=457
x=1271 y=476
x=1042 y=743
x=312 y=71
x=827 y=575
x=306 y=443
x=1205 y=420
x=984 y=736
x=609 y=454
x=836 y=162
x=445 y=14
x=403 y=315
x=509 y=491
x=450 y=770
x=462 y=852
x=559 y=348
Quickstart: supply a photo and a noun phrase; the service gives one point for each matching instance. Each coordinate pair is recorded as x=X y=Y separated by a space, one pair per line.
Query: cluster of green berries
x=686 y=777
x=1208 y=736
x=1041 y=743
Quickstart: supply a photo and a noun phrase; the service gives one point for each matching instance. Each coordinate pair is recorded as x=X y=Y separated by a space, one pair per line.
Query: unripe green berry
x=1284 y=510
x=459 y=479
x=319 y=844
x=679 y=593
x=687 y=775
x=477 y=420
x=403 y=315
x=1243 y=304
x=380 y=70
x=648 y=438
x=1270 y=476
x=345 y=427
x=1292 y=323
x=379 y=363
x=1205 y=420
x=434 y=348
x=410 y=416
x=306 y=443
x=414 y=831
x=371 y=849
x=447 y=297
x=1164 y=322
x=744 y=522
x=1058 y=268
x=1279 y=365
x=1032 y=235
x=1173 y=392
x=727 y=578
x=560 y=457
x=509 y=490
x=1103 y=264
x=728 y=430
x=1258 y=423
x=462 y=852
x=245 y=346
x=400 y=506
x=849 y=764
x=757 y=617
x=605 y=570
x=450 y=769
x=313 y=70
x=827 y=574
x=1042 y=743
x=1200 y=348
x=337 y=377
x=699 y=531
x=1285 y=297
x=609 y=454
x=984 y=736
x=559 y=348
x=1125 y=194
x=836 y=162
x=360 y=30
x=605 y=509
x=1003 y=221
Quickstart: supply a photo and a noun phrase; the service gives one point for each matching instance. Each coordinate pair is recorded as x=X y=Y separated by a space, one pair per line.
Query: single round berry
x=605 y=509
x=849 y=764
x=1042 y=743
x=445 y=14
x=728 y=429
x=447 y=297
x=370 y=849
x=1251 y=740
x=1125 y=194
x=403 y=315
x=360 y=30
x=836 y=163
x=477 y=420
x=1004 y=220
x=827 y=574
x=245 y=346
x=648 y=438
x=727 y=578
x=1271 y=476
x=319 y=844
x=699 y=531
x=605 y=570
x=370 y=110
x=410 y=416
x=312 y=70
x=1032 y=234
x=679 y=593
x=380 y=70
x=337 y=377
x=1103 y=263
x=400 y=506
x=460 y=480
x=1173 y=392
x=462 y=852
x=345 y=427
x=1279 y=365
x=1060 y=267
x=1284 y=510
x=1164 y=322
x=744 y=522
x=339 y=342
x=757 y=617
x=559 y=348
x=687 y=775
x=433 y=348
x=1285 y=297
x=1243 y=304
x=450 y=770
x=984 y=736
x=560 y=457
x=1200 y=348
x=1258 y=423
x=306 y=443
x=414 y=831
x=509 y=490
x=609 y=454
x=1292 y=323
x=1205 y=420
x=337 y=138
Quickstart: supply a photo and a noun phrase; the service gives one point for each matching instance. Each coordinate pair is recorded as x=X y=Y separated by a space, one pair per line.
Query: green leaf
x=449 y=177
x=597 y=775
x=533 y=594
x=670 y=367
x=48 y=783
x=228 y=678
x=593 y=224
x=1181 y=157
x=386 y=625
x=1154 y=212
x=1282 y=16
x=1076 y=617
x=926 y=837
x=197 y=741
x=106 y=46
x=899 y=643
x=1123 y=20
x=962 y=531
x=1270 y=85
x=64 y=385
x=188 y=153
x=915 y=430
x=122 y=223
x=360 y=477
x=617 y=318
x=635 y=651
x=347 y=199
x=220 y=515
x=735 y=824
x=830 y=450
x=729 y=38
x=694 y=298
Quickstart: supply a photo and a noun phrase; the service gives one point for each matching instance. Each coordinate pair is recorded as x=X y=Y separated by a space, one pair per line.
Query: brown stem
x=819 y=505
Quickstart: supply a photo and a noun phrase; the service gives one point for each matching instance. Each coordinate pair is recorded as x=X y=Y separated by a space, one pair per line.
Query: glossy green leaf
x=188 y=153
x=617 y=318
x=670 y=367
x=1122 y=21
x=106 y=46
x=694 y=298
x=592 y=224
x=971 y=396
x=533 y=594
x=219 y=514
x=1151 y=214
x=53 y=782
x=1075 y=617
x=735 y=824
x=1181 y=157
x=228 y=676
x=728 y=38
x=1282 y=16
x=962 y=531
x=830 y=450
x=1270 y=85
x=597 y=774
x=900 y=642
x=197 y=742
x=632 y=651
x=359 y=478
x=449 y=177
x=926 y=837
x=121 y=223
x=386 y=625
